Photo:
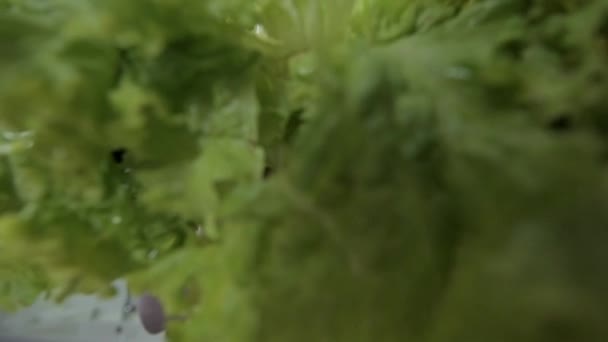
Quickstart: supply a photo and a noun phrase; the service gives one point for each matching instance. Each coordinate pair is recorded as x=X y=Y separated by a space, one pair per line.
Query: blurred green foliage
x=438 y=167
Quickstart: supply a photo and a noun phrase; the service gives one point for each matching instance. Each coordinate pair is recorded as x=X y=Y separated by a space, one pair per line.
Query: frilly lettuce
x=436 y=167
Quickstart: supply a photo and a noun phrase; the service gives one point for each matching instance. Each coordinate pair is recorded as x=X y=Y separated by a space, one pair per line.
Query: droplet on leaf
x=116 y=219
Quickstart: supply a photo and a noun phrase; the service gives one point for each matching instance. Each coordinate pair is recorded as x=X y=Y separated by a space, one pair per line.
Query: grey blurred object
x=80 y=318
x=7 y=338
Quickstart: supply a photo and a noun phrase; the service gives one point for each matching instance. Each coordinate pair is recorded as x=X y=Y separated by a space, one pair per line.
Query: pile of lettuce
x=312 y=170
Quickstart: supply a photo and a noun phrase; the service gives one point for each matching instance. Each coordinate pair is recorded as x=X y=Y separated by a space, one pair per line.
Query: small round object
x=151 y=314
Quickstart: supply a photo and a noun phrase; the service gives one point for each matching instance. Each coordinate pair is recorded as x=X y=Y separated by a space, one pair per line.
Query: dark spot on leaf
x=293 y=123
x=602 y=32
x=513 y=48
x=561 y=123
x=596 y=77
x=560 y=328
x=147 y=109
x=118 y=155
x=571 y=59
x=224 y=187
x=123 y=63
x=268 y=171
x=602 y=29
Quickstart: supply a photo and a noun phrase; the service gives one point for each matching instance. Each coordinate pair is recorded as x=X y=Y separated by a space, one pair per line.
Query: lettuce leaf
x=306 y=170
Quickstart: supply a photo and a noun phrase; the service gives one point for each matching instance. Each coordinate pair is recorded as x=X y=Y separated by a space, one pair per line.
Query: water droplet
x=6 y=149
x=200 y=232
x=9 y=135
x=458 y=73
x=140 y=255
x=259 y=30
x=25 y=134
x=116 y=219
x=153 y=254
